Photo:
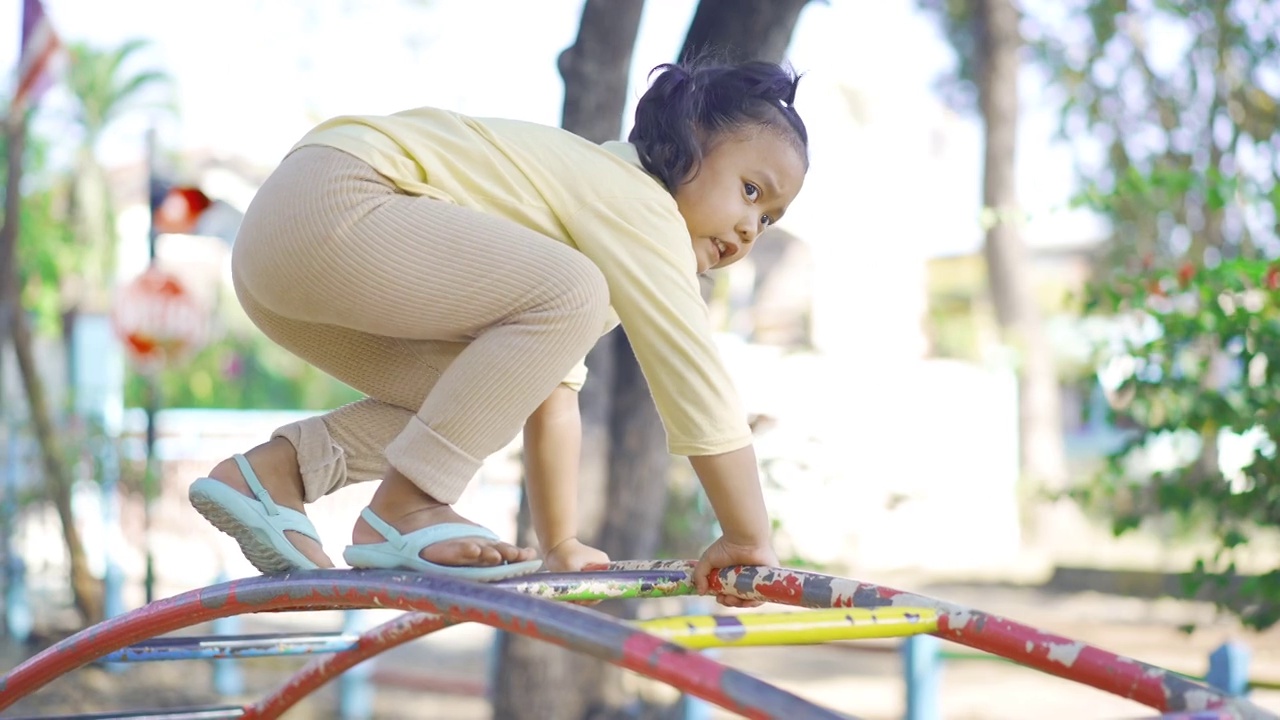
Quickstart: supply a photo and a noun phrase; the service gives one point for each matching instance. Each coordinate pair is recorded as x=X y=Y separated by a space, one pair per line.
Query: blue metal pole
x=695 y=708
x=1229 y=668
x=17 y=613
x=355 y=687
x=113 y=577
x=218 y=647
x=228 y=680
x=922 y=670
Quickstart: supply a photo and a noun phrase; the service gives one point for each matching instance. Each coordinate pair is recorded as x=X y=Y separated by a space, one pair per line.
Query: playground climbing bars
x=833 y=608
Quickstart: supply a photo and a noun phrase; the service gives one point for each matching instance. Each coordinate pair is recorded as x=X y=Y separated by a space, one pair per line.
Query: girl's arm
x=552 y=450
x=732 y=483
x=552 y=446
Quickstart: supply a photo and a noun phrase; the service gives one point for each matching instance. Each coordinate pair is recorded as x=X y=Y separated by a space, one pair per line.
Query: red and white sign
x=158 y=319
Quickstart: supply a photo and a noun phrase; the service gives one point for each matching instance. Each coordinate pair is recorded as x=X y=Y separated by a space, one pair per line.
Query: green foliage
x=243 y=371
x=958 y=88
x=106 y=87
x=1202 y=358
x=45 y=249
x=1173 y=121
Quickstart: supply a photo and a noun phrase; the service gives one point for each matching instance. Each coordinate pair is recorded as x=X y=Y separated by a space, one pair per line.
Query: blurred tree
x=743 y=29
x=1173 y=111
x=536 y=680
x=105 y=87
x=1166 y=394
x=623 y=439
x=988 y=43
x=1172 y=108
x=40 y=236
x=46 y=250
x=243 y=370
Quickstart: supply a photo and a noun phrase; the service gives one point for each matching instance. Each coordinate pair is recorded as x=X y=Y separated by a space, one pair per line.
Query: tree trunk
x=743 y=29
x=86 y=590
x=537 y=680
x=638 y=460
x=1042 y=453
x=622 y=433
x=638 y=465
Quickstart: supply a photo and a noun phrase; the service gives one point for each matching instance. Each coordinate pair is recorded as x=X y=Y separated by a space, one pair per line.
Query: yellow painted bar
x=808 y=627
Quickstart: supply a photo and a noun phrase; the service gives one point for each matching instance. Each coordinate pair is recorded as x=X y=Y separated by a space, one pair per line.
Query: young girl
x=457 y=270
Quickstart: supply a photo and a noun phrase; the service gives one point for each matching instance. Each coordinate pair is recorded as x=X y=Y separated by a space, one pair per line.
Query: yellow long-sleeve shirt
x=595 y=198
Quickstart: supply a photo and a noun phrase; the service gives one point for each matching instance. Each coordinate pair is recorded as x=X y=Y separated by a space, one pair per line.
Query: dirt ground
x=842 y=677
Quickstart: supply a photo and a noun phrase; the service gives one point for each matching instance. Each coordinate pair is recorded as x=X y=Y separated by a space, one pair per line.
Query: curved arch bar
x=1197 y=715
x=603 y=584
x=600 y=584
x=577 y=628
x=322 y=669
x=1073 y=660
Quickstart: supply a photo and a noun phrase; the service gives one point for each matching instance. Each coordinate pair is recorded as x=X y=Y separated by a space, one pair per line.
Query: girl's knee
x=583 y=292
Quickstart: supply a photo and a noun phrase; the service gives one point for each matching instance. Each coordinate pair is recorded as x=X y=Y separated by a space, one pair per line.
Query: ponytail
x=691 y=106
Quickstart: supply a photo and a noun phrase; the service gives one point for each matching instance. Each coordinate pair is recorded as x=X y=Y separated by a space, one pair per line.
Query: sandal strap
x=427 y=536
x=251 y=478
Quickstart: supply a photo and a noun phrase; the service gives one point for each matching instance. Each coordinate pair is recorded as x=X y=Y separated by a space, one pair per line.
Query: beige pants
x=455 y=324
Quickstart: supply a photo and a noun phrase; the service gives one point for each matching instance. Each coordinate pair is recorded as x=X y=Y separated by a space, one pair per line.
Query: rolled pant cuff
x=323 y=464
x=437 y=466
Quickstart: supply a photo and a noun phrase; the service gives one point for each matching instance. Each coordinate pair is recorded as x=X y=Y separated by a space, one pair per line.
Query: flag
x=40 y=47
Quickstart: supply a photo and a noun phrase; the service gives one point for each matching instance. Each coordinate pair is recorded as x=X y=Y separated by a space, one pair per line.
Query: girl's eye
x=753 y=192
x=766 y=220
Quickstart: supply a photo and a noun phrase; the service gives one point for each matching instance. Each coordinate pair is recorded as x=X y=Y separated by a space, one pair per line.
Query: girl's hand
x=722 y=554
x=571 y=556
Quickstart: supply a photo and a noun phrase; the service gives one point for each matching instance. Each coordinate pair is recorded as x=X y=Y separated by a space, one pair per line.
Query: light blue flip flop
x=257 y=525
x=402 y=552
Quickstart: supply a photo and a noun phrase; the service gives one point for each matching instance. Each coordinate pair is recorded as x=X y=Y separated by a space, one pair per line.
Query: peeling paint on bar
x=518 y=605
x=1065 y=653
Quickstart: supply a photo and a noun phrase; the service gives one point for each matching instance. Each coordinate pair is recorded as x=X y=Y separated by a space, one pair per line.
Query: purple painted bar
x=435 y=602
x=577 y=628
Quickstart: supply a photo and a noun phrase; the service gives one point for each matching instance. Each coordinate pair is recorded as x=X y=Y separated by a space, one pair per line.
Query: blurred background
x=1010 y=346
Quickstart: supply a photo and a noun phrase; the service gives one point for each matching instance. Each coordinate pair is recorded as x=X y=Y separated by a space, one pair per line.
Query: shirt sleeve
x=642 y=247
x=577 y=377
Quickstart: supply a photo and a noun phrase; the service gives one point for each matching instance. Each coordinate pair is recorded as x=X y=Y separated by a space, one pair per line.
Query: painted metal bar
x=1196 y=715
x=204 y=712
x=211 y=647
x=616 y=581
x=577 y=628
x=594 y=584
x=809 y=627
x=1059 y=656
x=1156 y=687
x=320 y=670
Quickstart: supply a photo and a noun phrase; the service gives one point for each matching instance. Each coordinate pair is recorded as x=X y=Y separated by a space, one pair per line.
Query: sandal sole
x=261 y=554
x=391 y=561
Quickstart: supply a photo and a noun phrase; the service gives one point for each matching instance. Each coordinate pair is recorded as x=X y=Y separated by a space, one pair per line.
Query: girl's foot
x=407 y=508
x=276 y=464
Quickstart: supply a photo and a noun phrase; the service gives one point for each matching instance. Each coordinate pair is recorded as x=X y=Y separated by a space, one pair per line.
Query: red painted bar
x=321 y=670
x=1155 y=687
x=567 y=625
x=518 y=606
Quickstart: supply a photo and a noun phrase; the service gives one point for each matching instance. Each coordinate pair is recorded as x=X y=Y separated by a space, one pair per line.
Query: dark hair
x=692 y=105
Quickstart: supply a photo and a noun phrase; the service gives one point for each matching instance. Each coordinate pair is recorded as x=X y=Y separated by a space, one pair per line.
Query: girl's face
x=744 y=185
